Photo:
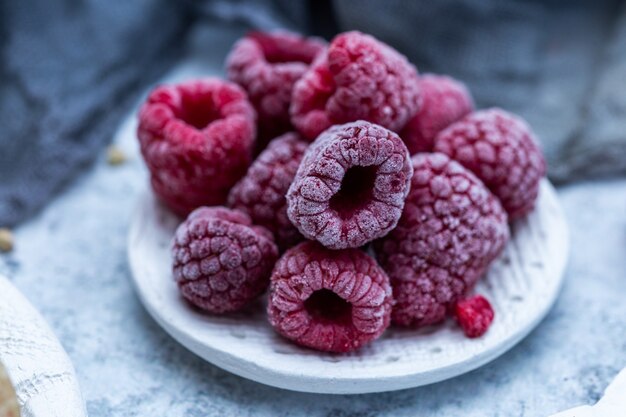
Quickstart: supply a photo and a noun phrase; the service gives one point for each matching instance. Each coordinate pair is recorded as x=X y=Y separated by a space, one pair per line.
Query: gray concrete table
x=70 y=261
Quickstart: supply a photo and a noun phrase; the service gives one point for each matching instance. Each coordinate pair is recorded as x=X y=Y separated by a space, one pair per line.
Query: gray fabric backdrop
x=71 y=68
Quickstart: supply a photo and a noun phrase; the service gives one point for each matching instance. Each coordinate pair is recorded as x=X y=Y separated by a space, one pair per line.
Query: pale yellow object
x=6 y=240
x=8 y=400
x=115 y=156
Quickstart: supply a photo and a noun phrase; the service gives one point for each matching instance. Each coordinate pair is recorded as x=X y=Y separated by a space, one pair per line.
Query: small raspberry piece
x=444 y=101
x=451 y=229
x=261 y=193
x=333 y=301
x=221 y=261
x=359 y=78
x=267 y=65
x=474 y=315
x=197 y=139
x=502 y=151
x=350 y=186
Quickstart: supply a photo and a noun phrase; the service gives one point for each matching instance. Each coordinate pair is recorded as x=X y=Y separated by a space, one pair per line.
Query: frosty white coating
x=521 y=285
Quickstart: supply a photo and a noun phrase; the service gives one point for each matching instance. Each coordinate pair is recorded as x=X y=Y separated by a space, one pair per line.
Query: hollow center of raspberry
x=326 y=306
x=277 y=56
x=355 y=192
x=198 y=110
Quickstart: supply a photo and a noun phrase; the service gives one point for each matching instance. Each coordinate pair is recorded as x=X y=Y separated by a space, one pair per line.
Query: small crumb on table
x=115 y=156
x=6 y=240
x=8 y=400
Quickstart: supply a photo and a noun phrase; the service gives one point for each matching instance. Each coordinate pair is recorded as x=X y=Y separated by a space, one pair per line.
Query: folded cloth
x=561 y=65
x=69 y=71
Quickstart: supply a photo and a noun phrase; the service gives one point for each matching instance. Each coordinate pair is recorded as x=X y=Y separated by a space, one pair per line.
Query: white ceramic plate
x=521 y=285
x=42 y=374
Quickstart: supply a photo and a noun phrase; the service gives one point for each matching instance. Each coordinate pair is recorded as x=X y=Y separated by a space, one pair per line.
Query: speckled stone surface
x=70 y=261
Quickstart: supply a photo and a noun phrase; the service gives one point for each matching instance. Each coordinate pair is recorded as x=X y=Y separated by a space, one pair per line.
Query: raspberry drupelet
x=444 y=101
x=333 y=301
x=502 y=151
x=221 y=261
x=197 y=139
x=261 y=192
x=451 y=229
x=358 y=78
x=351 y=185
x=474 y=315
x=267 y=65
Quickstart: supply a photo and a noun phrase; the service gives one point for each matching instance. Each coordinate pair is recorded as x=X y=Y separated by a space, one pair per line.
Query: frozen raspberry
x=350 y=186
x=334 y=301
x=222 y=261
x=359 y=78
x=444 y=101
x=451 y=229
x=197 y=139
x=267 y=65
x=261 y=193
x=474 y=315
x=502 y=151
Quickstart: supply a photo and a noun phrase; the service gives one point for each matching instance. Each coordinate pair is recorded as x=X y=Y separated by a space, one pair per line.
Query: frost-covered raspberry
x=350 y=186
x=358 y=78
x=261 y=193
x=451 y=229
x=333 y=301
x=221 y=261
x=444 y=101
x=474 y=315
x=267 y=65
x=197 y=139
x=502 y=151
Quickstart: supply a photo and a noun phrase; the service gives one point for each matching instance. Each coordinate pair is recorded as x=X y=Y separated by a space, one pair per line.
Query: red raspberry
x=261 y=193
x=451 y=229
x=197 y=139
x=474 y=315
x=267 y=65
x=359 y=78
x=222 y=261
x=502 y=151
x=444 y=101
x=350 y=186
x=334 y=301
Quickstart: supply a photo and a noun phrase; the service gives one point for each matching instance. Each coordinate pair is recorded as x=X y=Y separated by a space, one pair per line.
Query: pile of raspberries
x=360 y=192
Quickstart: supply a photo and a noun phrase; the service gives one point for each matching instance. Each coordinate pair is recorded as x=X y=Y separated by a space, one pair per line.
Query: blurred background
x=70 y=70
